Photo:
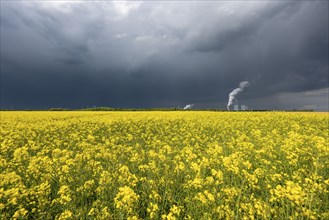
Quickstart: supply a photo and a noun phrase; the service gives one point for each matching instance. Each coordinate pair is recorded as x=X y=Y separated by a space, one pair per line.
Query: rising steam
x=189 y=106
x=231 y=96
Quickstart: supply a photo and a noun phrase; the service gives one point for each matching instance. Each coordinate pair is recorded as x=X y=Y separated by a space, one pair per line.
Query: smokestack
x=231 y=96
x=189 y=106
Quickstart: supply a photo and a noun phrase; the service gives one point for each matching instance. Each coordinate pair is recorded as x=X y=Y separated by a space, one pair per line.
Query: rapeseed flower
x=170 y=165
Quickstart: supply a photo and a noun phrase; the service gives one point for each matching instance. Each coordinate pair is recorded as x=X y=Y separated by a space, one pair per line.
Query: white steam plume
x=231 y=96
x=189 y=106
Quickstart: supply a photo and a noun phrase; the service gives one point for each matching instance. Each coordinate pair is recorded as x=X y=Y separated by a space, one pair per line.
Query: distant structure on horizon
x=244 y=107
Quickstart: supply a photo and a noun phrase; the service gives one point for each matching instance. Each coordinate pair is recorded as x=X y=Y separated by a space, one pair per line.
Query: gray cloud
x=162 y=54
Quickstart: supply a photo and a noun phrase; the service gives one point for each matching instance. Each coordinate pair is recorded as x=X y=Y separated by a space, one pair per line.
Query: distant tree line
x=154 y=109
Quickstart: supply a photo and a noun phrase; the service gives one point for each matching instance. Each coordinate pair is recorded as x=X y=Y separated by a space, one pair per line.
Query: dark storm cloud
x=163 y=54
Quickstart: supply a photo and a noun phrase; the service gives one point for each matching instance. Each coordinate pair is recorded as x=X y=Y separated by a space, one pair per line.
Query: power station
x=243 y=107
x=232 y=97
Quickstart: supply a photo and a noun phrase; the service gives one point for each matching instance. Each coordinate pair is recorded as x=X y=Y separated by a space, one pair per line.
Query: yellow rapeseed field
x=164 y=165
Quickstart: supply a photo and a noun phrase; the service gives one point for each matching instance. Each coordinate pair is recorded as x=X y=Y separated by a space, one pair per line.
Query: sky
x=162 y=54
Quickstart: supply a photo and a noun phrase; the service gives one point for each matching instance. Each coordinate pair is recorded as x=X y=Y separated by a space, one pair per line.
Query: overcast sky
x=77 y=54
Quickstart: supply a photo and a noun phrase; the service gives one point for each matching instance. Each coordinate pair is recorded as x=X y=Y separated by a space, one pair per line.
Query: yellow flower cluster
x=125 y=199
x=164 y=165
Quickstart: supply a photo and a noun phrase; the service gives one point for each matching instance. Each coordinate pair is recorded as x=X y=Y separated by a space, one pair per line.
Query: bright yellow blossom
x=169 y=165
